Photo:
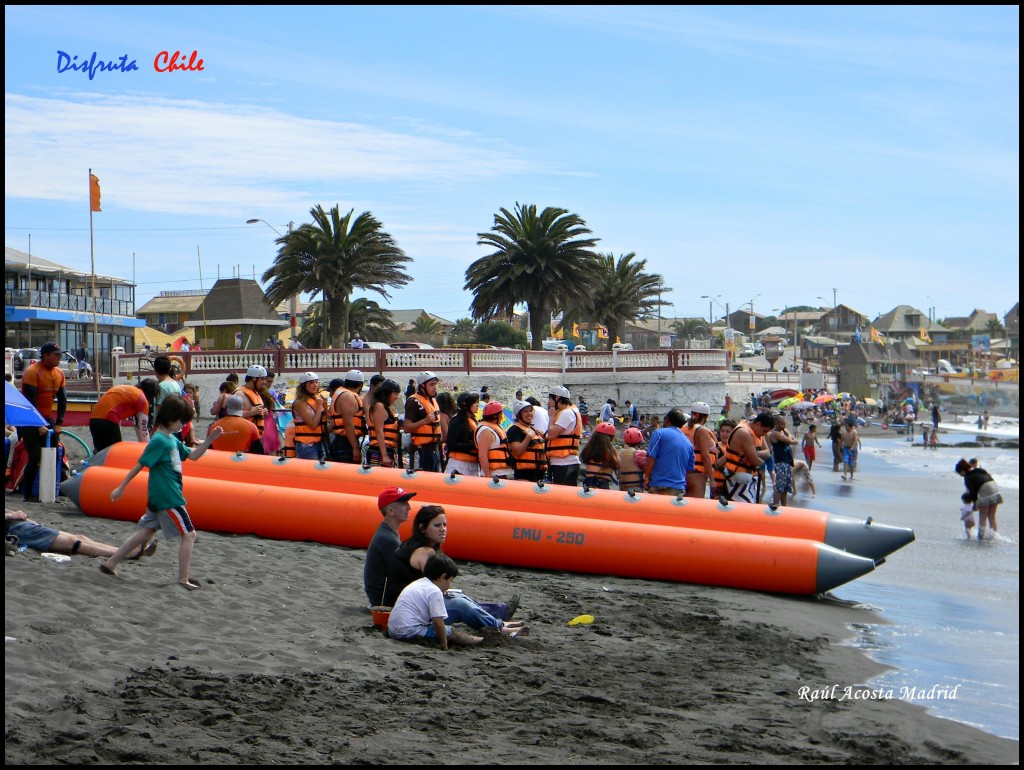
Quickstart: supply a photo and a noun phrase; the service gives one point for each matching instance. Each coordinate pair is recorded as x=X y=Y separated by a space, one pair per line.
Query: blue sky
x=768 y=153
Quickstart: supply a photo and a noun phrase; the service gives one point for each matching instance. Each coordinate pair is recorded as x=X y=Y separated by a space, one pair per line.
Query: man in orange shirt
x=41 y=383
x=239 y=433
x=120 y=403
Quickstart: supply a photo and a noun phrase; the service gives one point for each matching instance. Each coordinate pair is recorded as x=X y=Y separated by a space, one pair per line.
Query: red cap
x=393 y=495
x=493 y=407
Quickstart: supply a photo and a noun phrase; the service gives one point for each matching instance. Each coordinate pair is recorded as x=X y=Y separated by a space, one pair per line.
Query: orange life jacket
x=391 y=439
x=534 y=457
x=498 y=456
x=735 y=462
x=630 y=476
x=691 y=433
x=255 y=399
x=428 y=434
x=306 y=434
x=467 y=457
x=567 y=444
x=358 y=418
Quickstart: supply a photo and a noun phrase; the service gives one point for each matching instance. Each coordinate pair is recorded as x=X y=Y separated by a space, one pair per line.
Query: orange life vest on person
x=391 y=438
x=308 y=434
x=254 y=399
x=630 y=476
x=698 y=460
x=289 y=441
x=498 y=456
x=567 y=444
x=467 y=457
x=735 y=462
x=359 y=421
x=428 y=434
x=534 y=457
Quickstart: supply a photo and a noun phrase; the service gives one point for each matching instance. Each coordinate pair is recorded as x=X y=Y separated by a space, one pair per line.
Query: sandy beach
x=276 y=661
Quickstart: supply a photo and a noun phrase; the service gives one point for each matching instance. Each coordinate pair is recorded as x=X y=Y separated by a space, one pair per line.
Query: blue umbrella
x=18 y=411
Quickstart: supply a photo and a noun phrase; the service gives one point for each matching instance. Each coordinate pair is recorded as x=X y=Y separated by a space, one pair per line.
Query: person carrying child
x=165 y=502
x=967 y=513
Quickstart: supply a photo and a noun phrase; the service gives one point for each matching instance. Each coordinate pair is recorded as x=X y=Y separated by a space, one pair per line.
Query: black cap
x=49 y=347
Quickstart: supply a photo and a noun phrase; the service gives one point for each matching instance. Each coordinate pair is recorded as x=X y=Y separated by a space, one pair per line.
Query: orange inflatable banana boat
x=516 y=538
x=864 y=538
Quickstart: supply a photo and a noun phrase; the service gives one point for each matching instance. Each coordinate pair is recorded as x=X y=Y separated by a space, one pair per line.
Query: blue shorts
x=849 y=456
x=33 y=535
x=430 y=634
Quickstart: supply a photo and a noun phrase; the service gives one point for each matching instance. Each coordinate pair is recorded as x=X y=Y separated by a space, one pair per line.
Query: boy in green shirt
x=165 y=502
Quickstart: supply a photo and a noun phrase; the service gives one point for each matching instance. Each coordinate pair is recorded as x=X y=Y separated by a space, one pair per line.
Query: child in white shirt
x=419 y=611
x=967 y=513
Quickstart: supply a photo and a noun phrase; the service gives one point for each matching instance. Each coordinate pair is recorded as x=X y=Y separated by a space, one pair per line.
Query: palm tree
x=364 y=316
x=332 y=257
x=463 y=333
x=691 y=328
x=426 y=326
x=540 y=260
x=994 y=328
x=623 y=292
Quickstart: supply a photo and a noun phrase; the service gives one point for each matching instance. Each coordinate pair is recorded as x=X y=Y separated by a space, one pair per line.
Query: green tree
x=332 y=257
x=994 y=328
x=691 y=329
x=541 y=260
x=464 y=332
x=425 y=326
x=500 y=334
x=364 y=316
x=623 y=292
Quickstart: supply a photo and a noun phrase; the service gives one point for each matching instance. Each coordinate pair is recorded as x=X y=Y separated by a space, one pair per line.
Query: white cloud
x=191 y=157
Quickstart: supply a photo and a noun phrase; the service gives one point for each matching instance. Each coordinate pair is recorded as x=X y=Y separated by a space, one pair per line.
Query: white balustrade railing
x=320 y=361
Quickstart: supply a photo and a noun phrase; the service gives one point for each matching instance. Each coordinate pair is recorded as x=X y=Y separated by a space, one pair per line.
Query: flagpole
x=95 y=325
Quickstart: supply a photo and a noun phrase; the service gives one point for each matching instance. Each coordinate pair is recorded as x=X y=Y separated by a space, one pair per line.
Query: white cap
x=308 y=377
x=353 y=375
x=235 y=404
x=519 y=406
x=559 y=391
x=701 y=407
x=256 y=371
x=423 y=377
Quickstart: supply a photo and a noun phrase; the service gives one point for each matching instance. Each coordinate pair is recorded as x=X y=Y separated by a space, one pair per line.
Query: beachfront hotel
x=44 y=300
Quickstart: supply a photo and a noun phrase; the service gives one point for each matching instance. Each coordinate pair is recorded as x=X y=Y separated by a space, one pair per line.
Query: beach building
x=45 y=300
x=842 y=323
x=235 y=314
x=874 y=370
x=168 y=311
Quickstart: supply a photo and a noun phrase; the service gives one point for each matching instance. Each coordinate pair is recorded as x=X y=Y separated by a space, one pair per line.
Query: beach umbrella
x=18 y=411
x=786 y=402
x=870 y=401
x=824 y=398
x=803 y=405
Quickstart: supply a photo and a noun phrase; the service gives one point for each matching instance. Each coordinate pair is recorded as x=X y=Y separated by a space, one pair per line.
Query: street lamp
x=711 y=312
x=293 y=302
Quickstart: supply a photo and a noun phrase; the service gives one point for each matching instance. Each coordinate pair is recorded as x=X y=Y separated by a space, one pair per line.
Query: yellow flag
x=925 y=336
x=575 y=330
x=876 y=336
x=602 y=332
x=618 y=341
x=94 y=193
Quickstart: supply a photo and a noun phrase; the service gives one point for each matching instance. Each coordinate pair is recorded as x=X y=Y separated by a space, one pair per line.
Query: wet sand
x=276 y=661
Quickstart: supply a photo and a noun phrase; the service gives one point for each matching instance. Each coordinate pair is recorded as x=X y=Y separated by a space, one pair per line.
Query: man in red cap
x=41 y=384
x=393 y=503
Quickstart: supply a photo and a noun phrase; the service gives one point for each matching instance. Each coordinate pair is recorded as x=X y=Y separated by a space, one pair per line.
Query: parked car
x=25 y=357
x=622 y=346
x=376 y=345
x=411 y=346
x=747 y=351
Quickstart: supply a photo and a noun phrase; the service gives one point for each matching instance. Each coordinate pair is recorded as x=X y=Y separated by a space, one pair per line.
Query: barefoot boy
x=419 y=611
x=165 y=503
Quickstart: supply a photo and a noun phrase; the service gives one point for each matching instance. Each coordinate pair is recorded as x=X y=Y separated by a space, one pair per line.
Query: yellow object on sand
x=582 y=620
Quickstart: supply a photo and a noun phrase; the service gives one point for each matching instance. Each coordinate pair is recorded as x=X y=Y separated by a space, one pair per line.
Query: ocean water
x=950 y=606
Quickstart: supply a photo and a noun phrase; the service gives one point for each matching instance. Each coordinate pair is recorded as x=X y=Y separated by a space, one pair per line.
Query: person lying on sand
x=28 y=533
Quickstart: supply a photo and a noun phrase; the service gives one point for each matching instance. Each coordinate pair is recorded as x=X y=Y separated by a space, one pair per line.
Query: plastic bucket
x=380 y=617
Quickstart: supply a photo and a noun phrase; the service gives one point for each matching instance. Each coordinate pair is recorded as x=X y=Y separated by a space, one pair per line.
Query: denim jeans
x=307 y=451
x=463 y=609
x=428 y=459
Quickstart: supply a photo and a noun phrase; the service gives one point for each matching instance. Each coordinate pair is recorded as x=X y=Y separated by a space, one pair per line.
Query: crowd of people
x=359 y=421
